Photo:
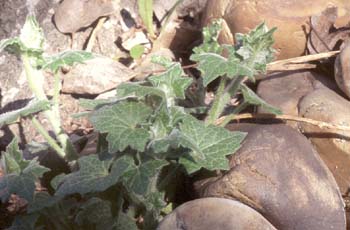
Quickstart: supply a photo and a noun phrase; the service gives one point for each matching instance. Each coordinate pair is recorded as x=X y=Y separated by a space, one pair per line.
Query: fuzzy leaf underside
x=252 y=98
x=33 y=106
x=123 y=123
x=209 y=145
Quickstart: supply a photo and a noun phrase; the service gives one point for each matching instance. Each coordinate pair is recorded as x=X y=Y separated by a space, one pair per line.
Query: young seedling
x=29 y=46
x=147 y=140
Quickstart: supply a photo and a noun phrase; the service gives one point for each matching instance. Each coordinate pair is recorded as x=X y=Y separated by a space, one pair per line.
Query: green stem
x=51 y=115
x=56 y=94
x=47 y=137
x=34 y=87
x=234 y=113
x=219 y=103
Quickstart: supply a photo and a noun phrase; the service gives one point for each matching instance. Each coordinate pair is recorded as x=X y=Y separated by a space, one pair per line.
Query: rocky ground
x=287 y=174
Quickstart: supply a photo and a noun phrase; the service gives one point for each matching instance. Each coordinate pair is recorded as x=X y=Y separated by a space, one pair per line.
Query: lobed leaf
x=93 y=175
x=172 y=82
x=21 y=185
x=209 y=145
x=129 y=89
x=96 y=212
x=20 y=174
x=33 y=106
x=123 y=123
x=141 y=179
x=66 y=58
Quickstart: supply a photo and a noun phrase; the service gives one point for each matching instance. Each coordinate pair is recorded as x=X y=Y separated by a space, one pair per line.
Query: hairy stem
x=234 y=113
x=47 y=137
x=219 y=103
x=51 y=115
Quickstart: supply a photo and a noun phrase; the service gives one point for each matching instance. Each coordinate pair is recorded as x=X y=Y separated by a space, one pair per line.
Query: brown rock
x=95 y=76
x=290 y=17
x=72 y=15
x=279 y=174
x=334 y=147
x=214 y=213
x=342 y=69
x=284 y=90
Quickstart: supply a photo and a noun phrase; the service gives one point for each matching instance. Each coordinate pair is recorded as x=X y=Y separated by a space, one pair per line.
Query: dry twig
x=298 y=62
x=321 y=124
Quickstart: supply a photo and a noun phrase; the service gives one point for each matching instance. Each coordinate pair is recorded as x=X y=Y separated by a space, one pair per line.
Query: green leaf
x=141 y=179
x=14 y=44
x=250 y=97
x=20 y=174
x=66 y=58
x=209 y=145
x=163 y=129
x=30 y=41
x=93 y=175
x=146 y=13
x=129 y=89
x=34 y=169
x=123 y=123
x=137 y=51
x=210 y=39
x=96 y=212
x=22 y=185
x=32 y=35
x=33 y=106
x=162 y=60
x=125 y=222
x=12 y=160
x=213 y=66
x=42 y=200
x=256 y=47
x=172 y=82
x=24 y=222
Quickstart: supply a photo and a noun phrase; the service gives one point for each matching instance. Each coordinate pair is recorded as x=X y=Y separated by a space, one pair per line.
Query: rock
x=214 y=213
x=325 y=105
x=146 y=67
x=95 y=76
x=342 y=69
x=284 y=90
x=279 y=174
x=290 y=17
x=72 y=15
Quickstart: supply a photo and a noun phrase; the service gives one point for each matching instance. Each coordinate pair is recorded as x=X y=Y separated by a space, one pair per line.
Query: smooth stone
x=332 y=145
x=279 y=174
x=214 y=213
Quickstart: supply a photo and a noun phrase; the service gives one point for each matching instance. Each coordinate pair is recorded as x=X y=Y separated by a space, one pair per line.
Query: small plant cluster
x=146 y=138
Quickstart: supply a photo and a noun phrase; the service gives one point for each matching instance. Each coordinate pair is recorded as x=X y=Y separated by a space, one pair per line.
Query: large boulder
x=278 y=173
